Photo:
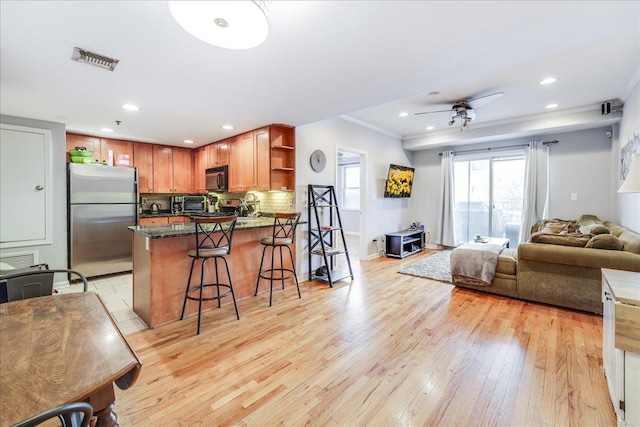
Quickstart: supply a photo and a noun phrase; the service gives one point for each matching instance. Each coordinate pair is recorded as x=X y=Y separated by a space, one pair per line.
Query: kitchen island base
x=161 y=269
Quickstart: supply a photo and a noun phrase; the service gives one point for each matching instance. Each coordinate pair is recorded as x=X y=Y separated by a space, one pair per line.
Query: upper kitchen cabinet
x=283 y=158
x=121 y=150
x=143 y=160
x=241 y=163
x=101 y=147
x=218 y=152
x=172 y=169
x=91 y=143
x=200 y=165
x=262 y=160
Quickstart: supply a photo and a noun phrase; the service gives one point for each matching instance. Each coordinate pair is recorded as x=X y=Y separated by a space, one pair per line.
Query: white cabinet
x=25 y=178
x=621 y=342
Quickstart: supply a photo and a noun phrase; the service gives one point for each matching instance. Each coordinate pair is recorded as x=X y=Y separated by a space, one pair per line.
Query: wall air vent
x=92 y=58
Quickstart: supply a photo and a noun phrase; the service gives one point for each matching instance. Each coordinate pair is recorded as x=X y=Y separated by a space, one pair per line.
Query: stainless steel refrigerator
x=102 y=204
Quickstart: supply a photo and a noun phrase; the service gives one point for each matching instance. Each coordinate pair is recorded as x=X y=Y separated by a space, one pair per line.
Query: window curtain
x=446 y=211
x=530 y=214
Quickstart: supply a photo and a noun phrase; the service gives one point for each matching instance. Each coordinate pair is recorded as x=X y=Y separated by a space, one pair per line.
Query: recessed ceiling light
x=550 y=106
x=227 y=24
x=548 y=81
x=106 y=129
x=403 y=114
x=228 y=127
x=131 y=107
x=430 y=127
x=188 y=141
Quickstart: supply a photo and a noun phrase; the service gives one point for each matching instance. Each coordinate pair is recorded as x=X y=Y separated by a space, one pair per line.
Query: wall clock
x=318 y=160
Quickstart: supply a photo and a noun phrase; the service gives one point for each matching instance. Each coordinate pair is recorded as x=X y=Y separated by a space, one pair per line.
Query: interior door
x=24 y=194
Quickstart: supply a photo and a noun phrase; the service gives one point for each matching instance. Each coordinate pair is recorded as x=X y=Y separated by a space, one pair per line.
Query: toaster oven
x=194 y=204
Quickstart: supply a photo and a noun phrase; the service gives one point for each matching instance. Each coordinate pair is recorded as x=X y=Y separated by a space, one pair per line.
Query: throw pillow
x=605 y=241
x=594 y=229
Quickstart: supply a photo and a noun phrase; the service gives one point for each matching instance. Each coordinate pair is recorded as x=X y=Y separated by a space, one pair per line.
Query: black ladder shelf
x=323 y=202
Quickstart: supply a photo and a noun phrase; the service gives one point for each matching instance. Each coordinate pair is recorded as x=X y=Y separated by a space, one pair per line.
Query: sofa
x=561 y=263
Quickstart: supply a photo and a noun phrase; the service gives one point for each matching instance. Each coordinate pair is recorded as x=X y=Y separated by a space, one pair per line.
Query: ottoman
x=504 y=281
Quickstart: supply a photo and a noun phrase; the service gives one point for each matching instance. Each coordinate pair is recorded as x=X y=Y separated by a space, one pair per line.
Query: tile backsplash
x=266 y=201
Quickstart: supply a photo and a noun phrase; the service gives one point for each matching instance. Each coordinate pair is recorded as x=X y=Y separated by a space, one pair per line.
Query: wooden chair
x=31 y=282
x=68 y=415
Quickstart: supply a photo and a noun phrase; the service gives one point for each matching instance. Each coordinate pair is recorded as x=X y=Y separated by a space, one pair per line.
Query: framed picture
x=628 y=150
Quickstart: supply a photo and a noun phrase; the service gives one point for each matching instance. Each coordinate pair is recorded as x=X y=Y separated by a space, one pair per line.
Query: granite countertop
x=189 y=228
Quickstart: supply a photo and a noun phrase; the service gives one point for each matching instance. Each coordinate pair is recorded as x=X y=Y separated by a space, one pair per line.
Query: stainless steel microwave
x=217 y=179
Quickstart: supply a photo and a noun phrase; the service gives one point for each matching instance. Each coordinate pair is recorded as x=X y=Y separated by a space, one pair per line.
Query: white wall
x=54 y=254
x=626 y=206
x=382 y=215
x=579 y=163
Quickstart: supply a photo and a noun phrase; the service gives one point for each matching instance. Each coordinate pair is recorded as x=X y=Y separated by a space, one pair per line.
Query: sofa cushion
x=605 y=241
x=507 y=262
x=594 y=229
x=578 y=240
x=630 y=240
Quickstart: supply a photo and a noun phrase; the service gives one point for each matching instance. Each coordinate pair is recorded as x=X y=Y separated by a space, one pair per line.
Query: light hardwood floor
x=386 y=349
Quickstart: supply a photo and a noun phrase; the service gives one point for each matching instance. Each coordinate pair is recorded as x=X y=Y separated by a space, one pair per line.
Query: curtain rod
x=555 y=141
x=490 y=149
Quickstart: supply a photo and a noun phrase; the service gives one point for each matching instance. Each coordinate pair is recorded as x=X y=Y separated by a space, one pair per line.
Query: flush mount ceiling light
x=131 y=107
x=227 y=24
x=403 y=114
x=228 y=127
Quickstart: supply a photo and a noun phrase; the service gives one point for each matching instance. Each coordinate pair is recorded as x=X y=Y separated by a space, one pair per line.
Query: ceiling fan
x=464 y=110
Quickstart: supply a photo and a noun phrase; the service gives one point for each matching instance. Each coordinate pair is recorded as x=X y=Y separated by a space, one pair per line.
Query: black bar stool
x=213 y=240
x=284 y=231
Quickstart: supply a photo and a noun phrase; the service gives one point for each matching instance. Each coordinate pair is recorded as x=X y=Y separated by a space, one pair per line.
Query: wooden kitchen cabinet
x=200 y=165
x=241 y=159
x=218 y=153
x=283 y=158
x=143 y=160
x=162 y=169
x=262 y=160
x=182 y=170
x=91 y=143
x=101 y=147
x=119 y=147
x=178 y=219
x=172 y=169
x=156 y=220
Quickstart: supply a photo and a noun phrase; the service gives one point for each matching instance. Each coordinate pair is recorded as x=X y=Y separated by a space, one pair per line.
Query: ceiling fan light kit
x=464 y=110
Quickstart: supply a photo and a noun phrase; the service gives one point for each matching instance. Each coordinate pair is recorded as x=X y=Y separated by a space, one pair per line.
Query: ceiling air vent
x=92 y=58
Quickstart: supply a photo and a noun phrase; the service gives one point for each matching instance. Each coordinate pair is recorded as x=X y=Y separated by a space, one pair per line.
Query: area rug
x=434 y=267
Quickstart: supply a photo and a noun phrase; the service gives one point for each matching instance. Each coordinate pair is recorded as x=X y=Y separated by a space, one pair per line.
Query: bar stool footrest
x=215 y=297
x=264 y=274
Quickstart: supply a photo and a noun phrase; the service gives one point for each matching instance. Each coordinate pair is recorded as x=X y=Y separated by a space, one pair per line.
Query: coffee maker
x=176 y=204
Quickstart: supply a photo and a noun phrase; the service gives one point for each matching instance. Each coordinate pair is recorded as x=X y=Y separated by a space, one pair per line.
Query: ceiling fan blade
x=429 y=112
x=478 y=102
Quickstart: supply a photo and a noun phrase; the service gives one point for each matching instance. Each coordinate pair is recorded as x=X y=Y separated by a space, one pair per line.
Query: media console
x=403 y=243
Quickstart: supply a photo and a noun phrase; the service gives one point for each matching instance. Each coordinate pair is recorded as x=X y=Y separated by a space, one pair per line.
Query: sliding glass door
x=489 y=196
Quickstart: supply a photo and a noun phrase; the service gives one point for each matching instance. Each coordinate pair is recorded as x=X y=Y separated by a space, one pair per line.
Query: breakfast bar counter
x=161 y=267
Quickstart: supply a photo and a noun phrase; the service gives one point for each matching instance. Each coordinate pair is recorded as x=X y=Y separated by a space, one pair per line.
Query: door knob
x=39 y=188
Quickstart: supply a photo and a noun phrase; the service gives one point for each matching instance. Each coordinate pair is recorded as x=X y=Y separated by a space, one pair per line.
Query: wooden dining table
x=59 y=349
